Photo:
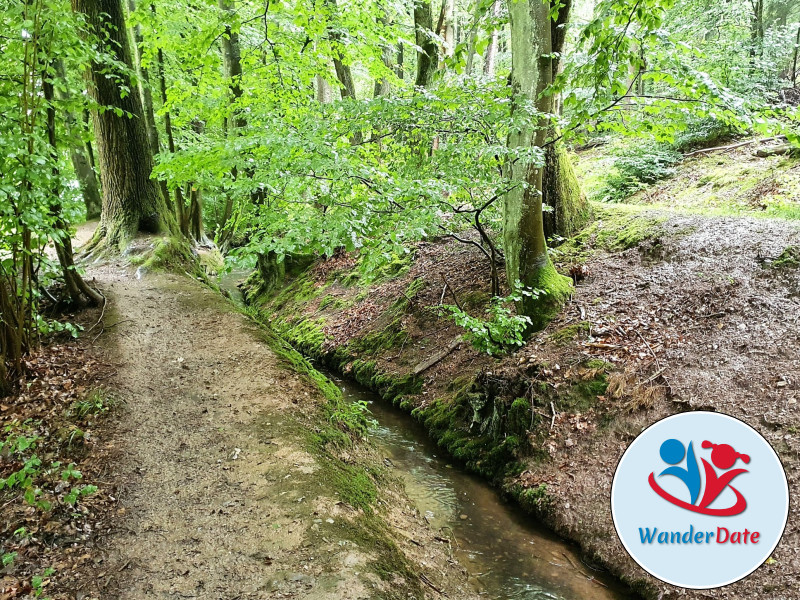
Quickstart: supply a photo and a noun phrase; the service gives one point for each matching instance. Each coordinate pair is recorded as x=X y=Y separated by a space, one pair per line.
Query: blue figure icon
x=672 y=452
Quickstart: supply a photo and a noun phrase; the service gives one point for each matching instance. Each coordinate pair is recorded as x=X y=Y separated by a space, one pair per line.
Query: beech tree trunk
x=79 y=291
x=491 y=50
x=87 y=179
x=527 y=260
x=428 y=56
x=323 y=90
x=561 y=190
x=382 y=86
x=231 y=57
x=196 y=200
x=144 y=86
x=132 y=202
x=79 y=155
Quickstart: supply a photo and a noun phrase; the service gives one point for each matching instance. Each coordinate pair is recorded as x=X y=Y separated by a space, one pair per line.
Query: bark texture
x=132 y=202
x=561 y=191
x=527 y=260
x=428 y=56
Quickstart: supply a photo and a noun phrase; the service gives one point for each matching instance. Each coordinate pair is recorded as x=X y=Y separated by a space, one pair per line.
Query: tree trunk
x=449 y=27
x=794 y=59
x=323 y=94
x=344 y=75
x=196 y=200
x=757 y=29
x=84 y=173
x=527 y=260
x=472 y=37
x=231 y=57
x=79 y=292
x=382 y=85
x=399 y=67
x=87 y=179
x=132 y=202
x=491 y=51
x=561 y=190
x=144 y=86
x=428 y=55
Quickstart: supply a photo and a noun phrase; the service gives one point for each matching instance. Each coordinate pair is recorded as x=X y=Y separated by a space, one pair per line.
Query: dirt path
x=220 y=496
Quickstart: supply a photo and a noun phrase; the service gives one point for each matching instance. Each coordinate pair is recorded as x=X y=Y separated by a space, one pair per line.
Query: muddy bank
x=670 y=313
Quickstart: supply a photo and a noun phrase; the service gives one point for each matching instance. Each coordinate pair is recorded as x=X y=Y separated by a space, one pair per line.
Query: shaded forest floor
x=673 y=310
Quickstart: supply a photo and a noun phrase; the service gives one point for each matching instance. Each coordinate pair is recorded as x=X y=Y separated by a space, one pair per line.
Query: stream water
x=508 y=555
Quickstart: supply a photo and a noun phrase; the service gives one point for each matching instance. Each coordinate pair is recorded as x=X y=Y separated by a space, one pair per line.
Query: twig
x=455 y=298
x=428 y=582
x=658 y=364
x=102 y=314
x=657 y=373
x=553 y=420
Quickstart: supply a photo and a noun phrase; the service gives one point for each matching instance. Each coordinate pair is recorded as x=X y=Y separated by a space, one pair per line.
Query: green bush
x=636 y=167
x=703 y=133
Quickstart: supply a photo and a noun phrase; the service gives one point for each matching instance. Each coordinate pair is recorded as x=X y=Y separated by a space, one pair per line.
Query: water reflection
x=508 y=556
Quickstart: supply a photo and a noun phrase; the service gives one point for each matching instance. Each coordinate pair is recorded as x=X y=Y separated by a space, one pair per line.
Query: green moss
x=535 y=500
x=554 y=291
x=582 y=393
x=570 y=332
x=571 y=210
x=169 y=254
x=334 y=303
x=614 y=229
x=388 y=386
x=352 y=483
x=371 y=535
x=520 y=416
x=789 y=258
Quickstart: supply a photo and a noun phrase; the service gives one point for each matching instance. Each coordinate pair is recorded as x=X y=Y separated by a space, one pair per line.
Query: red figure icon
x=724 y=457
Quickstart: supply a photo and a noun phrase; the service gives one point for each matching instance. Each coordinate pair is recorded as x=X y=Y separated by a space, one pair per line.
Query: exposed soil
x=707 y=321
x=221 y=495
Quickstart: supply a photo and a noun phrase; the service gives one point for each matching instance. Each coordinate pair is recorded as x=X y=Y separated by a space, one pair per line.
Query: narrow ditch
x=507 y=554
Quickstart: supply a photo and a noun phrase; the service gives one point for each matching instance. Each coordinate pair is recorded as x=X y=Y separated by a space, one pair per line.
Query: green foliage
x=8 y=558
x=636 y=167
x=96 y=403
x=32 y=475
x=503 y=330
x=703 y=133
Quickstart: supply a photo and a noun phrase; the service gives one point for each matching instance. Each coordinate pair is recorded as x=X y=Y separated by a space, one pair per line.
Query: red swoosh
x=736 y=509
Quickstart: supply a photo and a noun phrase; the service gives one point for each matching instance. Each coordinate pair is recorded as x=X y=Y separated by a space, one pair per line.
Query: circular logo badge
x=700 y=500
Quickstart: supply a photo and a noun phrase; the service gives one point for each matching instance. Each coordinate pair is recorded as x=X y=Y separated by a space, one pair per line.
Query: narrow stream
x=508 y=555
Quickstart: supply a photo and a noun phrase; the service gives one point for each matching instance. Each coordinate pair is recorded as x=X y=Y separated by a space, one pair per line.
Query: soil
x=220 y=493
x=706 y=320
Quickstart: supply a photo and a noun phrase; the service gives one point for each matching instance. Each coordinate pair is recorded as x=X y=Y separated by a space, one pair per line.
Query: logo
x=699 y=500
x=723 y=457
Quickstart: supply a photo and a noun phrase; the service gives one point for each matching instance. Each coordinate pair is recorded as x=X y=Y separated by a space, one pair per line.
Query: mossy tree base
x=554 y=290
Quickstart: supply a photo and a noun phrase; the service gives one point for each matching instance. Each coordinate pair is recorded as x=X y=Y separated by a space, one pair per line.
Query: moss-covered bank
x=494 y=418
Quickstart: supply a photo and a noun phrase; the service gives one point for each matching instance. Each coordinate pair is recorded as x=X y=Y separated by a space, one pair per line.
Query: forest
x=252 y=252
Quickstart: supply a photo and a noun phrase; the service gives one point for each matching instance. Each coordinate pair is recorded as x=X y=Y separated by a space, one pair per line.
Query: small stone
x=464 y=517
